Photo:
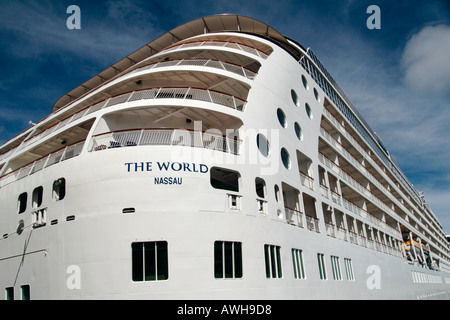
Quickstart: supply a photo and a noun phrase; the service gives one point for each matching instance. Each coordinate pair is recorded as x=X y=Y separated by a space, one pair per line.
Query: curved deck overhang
x=205 y=25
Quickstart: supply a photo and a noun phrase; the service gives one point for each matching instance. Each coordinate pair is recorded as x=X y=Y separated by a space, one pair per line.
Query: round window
x=282 y=118
x=263 y=145
x=285 y=158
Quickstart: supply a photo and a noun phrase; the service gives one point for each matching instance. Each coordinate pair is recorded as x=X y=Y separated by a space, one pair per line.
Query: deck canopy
x=210 y=24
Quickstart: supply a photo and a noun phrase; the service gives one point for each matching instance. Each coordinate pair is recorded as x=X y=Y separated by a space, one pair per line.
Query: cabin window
x=336 y=268
x=308 y=111
x=322 y=269
x=22 y=203
x=225 y=179
x=25 y=290
x=263 y=145
x=316 y=95
x=59 y=189
x=227 y=260
x=272 y=257
x=294 y=97
x=298 y=131
x=349 y=269
x=37 y=197
x=297 y=260
x=260 y=185
x=285 y=158
x=305 y=82
x=281 y=118
x=277 y=193
x=149 y=261
x=9 y=293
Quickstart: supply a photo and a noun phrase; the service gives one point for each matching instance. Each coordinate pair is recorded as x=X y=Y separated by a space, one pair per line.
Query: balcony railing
x=294 y=217
x=166 y=137
x=217 y=43
x=312 y=223
x=187 y=93
x=41 y=163
x=211 y=63
x=306 y=180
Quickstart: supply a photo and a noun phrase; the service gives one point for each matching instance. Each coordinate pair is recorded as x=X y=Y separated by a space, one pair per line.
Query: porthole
x=305 y=82
x=282 y=118
x=308 y=111
x=263 y=145
x=295 y=98
x=298 y=131
x=285 y=158
x=316 y=95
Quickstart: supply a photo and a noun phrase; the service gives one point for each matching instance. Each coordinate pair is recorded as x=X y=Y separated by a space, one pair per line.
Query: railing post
x=140 y=137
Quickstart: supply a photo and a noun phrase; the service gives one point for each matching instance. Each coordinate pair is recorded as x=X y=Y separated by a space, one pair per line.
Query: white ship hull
x=155 y=204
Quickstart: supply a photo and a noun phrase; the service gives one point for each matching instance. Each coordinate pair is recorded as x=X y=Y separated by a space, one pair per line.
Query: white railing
x=187 y=93
x=44 y=162
x=294 y=217
x=364 y=191
x=212 y=63
x=165 y=136
x=331 y=231
x=216 y=43
x=306 y=180
x=312 y=223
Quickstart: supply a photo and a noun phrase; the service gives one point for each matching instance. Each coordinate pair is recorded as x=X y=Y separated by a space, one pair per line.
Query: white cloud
x=426 y=59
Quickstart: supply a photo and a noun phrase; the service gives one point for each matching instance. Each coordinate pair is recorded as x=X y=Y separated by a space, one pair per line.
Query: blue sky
x=398 y=77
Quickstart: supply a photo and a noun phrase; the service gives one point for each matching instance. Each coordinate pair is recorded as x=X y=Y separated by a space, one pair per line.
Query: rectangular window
x=297 y=260
x=25 y=289
x=150 y=261
x=59 y=189
x=22 y=203
x=349 y=269
x=272 y=256
x=322 y=269
x=335 y=266
x=37 y=197
x=225 y=179
x=227 y=260
x=9 y=293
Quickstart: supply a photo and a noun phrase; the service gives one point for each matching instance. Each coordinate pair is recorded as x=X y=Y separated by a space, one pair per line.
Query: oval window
x=308 y=111
x=285 y=158
x=263 y=145
x=316 y=95
x=305 y=82
x=294 y=97
x=281 y=117
x=298 y=131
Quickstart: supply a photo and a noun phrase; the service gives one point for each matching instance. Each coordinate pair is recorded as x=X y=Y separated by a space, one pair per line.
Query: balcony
x=165 y=137
x=42 y=163
x=224 y=44
x=211 y=63
x=294 y=217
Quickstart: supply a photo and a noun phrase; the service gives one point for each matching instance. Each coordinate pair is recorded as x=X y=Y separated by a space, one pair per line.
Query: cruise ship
x=220 y=161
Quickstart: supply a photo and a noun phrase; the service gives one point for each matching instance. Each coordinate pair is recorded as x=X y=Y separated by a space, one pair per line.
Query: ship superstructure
x=219 y=161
